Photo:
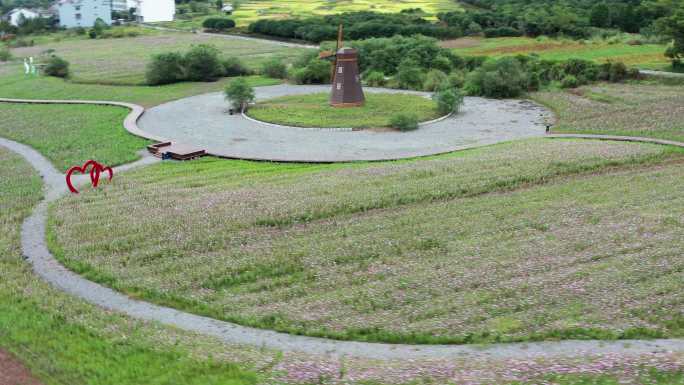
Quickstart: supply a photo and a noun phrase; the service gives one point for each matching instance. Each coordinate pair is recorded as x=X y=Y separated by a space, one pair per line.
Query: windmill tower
x=346 y=80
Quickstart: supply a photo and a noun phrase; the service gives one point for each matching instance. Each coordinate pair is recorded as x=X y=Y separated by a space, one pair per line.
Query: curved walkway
x=202 y=121
x=45 y=265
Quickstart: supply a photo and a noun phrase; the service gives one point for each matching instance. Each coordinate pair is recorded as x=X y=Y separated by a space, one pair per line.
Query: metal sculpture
x=346 y=80
x=96 y=170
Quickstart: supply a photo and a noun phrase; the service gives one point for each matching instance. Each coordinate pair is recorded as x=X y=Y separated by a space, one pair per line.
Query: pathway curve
x=202 y=121
x=45 y=265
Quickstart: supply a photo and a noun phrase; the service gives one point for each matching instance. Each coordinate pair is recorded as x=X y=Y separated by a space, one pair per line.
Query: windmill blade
x=333 y=73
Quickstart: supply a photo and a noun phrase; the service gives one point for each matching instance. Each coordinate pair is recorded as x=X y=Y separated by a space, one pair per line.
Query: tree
x=673 y=27
x=239 y=93
x=600 y=16
x=203 y=64
x=219 y=4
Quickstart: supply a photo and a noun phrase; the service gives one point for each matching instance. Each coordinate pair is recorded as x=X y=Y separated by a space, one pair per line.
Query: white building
x=151 y=11
x=83 y=13
x=16 y=15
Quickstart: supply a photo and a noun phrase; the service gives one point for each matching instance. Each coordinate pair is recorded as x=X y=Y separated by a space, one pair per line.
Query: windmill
x=346 y=81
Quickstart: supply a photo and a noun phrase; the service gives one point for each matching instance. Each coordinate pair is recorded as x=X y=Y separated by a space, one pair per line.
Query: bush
x=274 y=69
x=442 y=63
x=435 y=80
x=375 y=79
x=218 y=23
x=58 y=67
x=165 y=68
x=449 y=100
x=456 y=79
x=615 y=71
x=5 y=54
x=316 y=72
x=503 y=78
x=239 y=93
x=569 y=81
x=233 y=66
x=410 y=75
x=404 y=122
x=202 y=63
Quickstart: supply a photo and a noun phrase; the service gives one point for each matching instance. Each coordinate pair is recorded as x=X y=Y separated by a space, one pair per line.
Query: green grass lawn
x=315 y=111
x=253 y=10
x=69 y=135
x=123 y=60
x=646 y=56
x=65 y=342
x=647 y=109
x=18 y=86
x=504 y=243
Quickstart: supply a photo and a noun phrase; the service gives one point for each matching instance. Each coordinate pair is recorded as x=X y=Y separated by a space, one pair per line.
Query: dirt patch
x=12 y=372
x=464 y=42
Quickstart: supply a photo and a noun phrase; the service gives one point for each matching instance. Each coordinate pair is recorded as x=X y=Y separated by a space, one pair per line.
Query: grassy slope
x=315 y=111
x=647 y=56
x=71 y=134
x=18 y=86
x=647 y=109
x=123 y=60
x=290 y=248
x=66 y=342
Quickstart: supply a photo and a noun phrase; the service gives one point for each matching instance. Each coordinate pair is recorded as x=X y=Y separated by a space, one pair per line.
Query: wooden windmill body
x=346 y=80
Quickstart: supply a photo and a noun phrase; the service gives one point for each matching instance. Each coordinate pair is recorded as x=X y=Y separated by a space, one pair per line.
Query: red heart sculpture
x=95 y=171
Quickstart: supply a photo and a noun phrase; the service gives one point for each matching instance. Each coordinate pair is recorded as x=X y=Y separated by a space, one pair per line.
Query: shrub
x=202 y=63
x=375 y=79
x=92 y=33
x=56 y=66
x=503 y=78
x=239 y=93
x=274 y=69
x=435 y=80
x=617 y=72
x=404 y=122
x=233 y=66
x=5 y=54
x=410 y=75
x=456 y=79
x=569 y=81
x=165 y=68
x=316 y=72
x=442 y=63
x=218 y=23
x=449 y=100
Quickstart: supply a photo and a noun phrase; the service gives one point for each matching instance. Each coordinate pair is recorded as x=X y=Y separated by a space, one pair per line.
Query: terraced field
x=420 y=252
x=635 y=109
x=123 y=60
x=646 y=56
x=252 y=10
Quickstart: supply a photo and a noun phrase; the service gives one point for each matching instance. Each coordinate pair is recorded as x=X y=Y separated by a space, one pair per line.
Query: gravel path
x=202 y=121
x=45 y=265
x=235 y=37
x=664 y=74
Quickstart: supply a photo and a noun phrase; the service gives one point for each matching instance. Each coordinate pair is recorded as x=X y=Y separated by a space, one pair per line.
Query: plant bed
x=314 y=110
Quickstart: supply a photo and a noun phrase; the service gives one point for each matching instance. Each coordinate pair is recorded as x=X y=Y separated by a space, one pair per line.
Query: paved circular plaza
x=203 y=121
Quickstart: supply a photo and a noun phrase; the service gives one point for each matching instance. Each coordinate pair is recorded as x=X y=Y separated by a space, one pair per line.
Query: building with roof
x=84 y=13
x=17 y=15
x=152 y=11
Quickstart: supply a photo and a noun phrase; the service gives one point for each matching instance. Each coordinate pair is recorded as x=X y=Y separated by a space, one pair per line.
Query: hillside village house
x=83 y=13
x=151 y=11
x=16 y=15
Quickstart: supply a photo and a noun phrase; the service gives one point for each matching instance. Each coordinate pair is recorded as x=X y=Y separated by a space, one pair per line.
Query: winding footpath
x=46 y=266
